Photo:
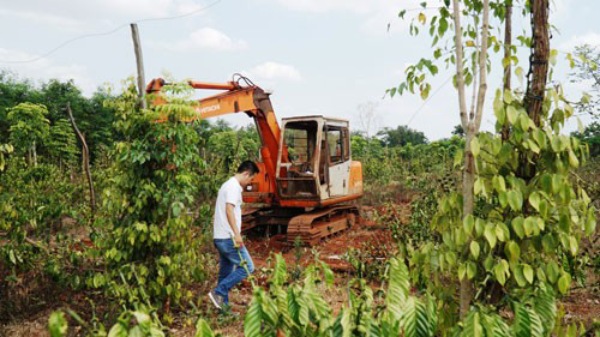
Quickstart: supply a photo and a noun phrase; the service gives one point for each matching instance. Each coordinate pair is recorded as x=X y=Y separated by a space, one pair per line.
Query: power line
x=428 y=99
x=85 y=36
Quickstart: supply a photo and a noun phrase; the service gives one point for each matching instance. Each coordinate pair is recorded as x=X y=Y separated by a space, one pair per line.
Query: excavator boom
x=251 y=100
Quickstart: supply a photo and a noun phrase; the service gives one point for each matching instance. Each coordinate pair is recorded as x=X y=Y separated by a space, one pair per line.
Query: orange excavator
x=308 y=183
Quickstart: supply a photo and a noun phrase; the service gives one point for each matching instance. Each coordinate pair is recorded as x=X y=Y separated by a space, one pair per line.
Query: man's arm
x=237 y=237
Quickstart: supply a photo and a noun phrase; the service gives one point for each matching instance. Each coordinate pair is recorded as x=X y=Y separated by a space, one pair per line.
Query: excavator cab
x=319 y=161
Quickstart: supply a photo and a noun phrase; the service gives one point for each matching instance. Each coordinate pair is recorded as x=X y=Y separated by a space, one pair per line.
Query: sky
x=318 y=57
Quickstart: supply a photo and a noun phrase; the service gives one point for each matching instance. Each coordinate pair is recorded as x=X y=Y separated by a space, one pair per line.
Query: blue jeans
x=231 y=271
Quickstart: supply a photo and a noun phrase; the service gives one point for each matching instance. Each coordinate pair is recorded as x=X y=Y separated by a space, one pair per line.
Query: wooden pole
x=139 y=58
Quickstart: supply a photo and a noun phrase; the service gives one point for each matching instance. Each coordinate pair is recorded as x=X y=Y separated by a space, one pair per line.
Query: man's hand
x=237 y=241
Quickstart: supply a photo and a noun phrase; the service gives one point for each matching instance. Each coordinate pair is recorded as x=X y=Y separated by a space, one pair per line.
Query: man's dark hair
x=248 y=166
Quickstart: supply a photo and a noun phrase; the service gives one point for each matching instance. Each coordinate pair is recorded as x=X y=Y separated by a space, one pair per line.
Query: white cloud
x=577 y=40
x=206 y=39
x=322 y=6
x=273 y=71
x=379 y=16
x=93 y=12
x=43 y=18
x=45 y=69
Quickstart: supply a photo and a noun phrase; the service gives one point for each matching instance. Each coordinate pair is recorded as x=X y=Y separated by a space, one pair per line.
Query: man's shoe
x=216 y=299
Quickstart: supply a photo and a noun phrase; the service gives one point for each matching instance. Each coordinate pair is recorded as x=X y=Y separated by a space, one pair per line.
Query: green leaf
x=508 y=98
x=479 y=227
x=471 y=270
x=279 y=275
x=573 y=245
x=573 y=161
x=590 y=223
x=518 y=276
x=564 y=283
x=118 y=330
x=503 y=198
x=458 y=158
x=328 y=273
x=499 y=273
x=478 y=186
x=534 y=200
x=511 y=113
x=136 y=331
x=443 y=26
x=528 y=273
x=541 y=275
x=462 y=271
x=398 y=287
x=490 y=235
x=548 y=243
x=513 y=251
x=12 y=257
x=500 y=233
x=468 y=224
x=530 y=226
x=57 y=324
x=474 y=247
x=552 y=271
x=517 y=226
x=499 y=184
x=415 y=320
x=253 y=318
x=515 y=200
x=203 y=329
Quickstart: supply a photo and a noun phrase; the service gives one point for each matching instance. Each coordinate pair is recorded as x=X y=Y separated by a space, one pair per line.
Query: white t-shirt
x=229 y=193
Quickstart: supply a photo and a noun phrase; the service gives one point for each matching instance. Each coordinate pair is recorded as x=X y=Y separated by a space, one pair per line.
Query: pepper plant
x=525 y=231
x=145 y=237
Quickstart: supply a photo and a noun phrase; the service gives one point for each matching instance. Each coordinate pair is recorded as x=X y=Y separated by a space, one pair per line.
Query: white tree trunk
x=471 y=125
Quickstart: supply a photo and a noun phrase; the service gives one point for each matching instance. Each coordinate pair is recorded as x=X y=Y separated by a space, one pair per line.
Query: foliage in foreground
x=299 y=309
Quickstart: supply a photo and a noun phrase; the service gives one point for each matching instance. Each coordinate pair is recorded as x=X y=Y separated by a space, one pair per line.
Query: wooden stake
x=86 y=159
x=139 y=58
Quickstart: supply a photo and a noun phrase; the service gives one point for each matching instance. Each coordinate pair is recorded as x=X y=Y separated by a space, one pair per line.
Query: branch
x=460 y=81
x=30 y=241
x=86 y=159
x=475 y=80
x=482 y=64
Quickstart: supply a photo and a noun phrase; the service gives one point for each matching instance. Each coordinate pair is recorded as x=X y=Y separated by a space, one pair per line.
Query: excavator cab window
x=300 y=138
x=297 y=177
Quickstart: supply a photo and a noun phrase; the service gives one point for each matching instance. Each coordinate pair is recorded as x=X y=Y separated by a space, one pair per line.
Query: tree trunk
x=466 y=288
x=536 y=88
x=34 y=154
x=538 y=74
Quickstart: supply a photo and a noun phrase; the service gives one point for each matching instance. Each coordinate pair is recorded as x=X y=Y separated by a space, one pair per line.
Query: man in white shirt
x=235 y=263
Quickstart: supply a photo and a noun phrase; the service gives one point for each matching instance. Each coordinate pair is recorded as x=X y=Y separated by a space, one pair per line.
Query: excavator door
x=337 y=158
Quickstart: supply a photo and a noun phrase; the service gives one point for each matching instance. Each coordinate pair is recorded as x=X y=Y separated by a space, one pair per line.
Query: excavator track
x=313 y=227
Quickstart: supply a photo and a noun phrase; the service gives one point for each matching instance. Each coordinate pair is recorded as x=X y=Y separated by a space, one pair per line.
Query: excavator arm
x=236 y=97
